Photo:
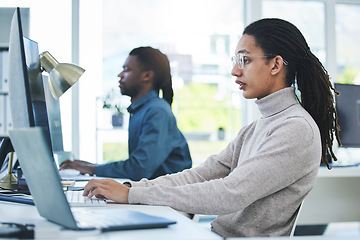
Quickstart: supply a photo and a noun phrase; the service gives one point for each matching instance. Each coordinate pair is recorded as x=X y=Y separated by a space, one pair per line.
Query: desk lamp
x=62 y=75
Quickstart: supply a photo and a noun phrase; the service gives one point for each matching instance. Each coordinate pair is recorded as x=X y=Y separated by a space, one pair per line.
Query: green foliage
x=197 y=110
x=348 y=75
x=115 y=152
x=201 y=150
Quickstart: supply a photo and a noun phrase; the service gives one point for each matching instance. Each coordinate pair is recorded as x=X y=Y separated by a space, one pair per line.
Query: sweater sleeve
x=288 y=153
x=216 y=166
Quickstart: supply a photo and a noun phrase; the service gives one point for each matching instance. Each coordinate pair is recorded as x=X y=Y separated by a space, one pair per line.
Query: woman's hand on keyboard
x=107 y=188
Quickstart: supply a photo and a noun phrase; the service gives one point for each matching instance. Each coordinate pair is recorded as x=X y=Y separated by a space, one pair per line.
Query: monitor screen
x=31 y=102
x=348 y=109
x=26 y=89
x=19 y=86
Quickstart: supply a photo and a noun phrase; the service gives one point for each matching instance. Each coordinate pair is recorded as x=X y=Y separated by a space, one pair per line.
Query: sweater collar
x=276 y=102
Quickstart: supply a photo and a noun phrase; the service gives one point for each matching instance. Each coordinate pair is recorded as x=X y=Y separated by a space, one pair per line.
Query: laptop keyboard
x=76 y=199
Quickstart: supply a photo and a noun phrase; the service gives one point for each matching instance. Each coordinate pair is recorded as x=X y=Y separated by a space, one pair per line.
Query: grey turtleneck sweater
x=256 y=184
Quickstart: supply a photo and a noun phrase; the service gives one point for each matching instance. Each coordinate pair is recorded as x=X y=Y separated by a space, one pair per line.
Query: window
x=347 y=60
x=311 y=21
x=199 y=38
x=347 y=43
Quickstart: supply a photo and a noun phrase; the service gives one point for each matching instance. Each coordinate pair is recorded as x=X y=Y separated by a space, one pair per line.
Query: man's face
x=254 y=78
x=131 y=77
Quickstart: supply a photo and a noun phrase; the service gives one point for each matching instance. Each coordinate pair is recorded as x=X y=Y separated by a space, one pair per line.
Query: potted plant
x=113 y=102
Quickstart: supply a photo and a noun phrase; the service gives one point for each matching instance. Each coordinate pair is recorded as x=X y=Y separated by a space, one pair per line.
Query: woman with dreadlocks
x=258 y=182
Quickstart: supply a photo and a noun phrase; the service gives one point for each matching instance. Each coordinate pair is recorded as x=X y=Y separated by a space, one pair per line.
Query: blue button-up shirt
x=156 y=145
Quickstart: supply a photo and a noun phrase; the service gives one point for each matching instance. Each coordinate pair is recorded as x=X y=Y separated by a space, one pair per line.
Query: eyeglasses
x=241 y=58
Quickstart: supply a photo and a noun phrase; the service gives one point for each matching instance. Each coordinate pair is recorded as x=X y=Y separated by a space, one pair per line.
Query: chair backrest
x=334 y=198
x=296 y=219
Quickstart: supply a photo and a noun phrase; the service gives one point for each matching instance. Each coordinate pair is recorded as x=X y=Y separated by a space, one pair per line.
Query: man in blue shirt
x=156 y=145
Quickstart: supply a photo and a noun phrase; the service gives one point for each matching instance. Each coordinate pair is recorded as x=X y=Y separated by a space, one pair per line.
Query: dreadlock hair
x=279 y=37
x=153 y=60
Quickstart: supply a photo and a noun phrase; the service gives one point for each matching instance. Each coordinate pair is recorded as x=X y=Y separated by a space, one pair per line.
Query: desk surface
x=339 y=172
x=183 y=229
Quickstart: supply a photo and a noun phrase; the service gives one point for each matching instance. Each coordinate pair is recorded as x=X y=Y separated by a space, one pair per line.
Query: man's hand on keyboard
x=82 y=166
x=107 y=188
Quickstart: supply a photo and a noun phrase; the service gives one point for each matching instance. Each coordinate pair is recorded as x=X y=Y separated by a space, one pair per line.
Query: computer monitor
x=348 y=109
x=26 y=90
x=19 y=85
x=54 y=119
x=31 y=100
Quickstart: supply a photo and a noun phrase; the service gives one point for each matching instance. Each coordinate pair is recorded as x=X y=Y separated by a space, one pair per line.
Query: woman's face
x=255 y=79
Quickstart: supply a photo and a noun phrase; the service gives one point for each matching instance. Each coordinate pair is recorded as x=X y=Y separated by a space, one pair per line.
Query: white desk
x=182 y=230
x=335 y=198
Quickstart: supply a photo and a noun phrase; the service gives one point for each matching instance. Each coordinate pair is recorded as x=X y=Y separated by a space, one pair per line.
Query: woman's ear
x=278 y=64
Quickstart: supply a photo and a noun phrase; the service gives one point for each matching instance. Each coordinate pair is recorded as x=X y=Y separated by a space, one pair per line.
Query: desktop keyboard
x=76 y=199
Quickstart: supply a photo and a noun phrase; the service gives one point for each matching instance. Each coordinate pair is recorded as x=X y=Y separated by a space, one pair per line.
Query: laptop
x=44 y=182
